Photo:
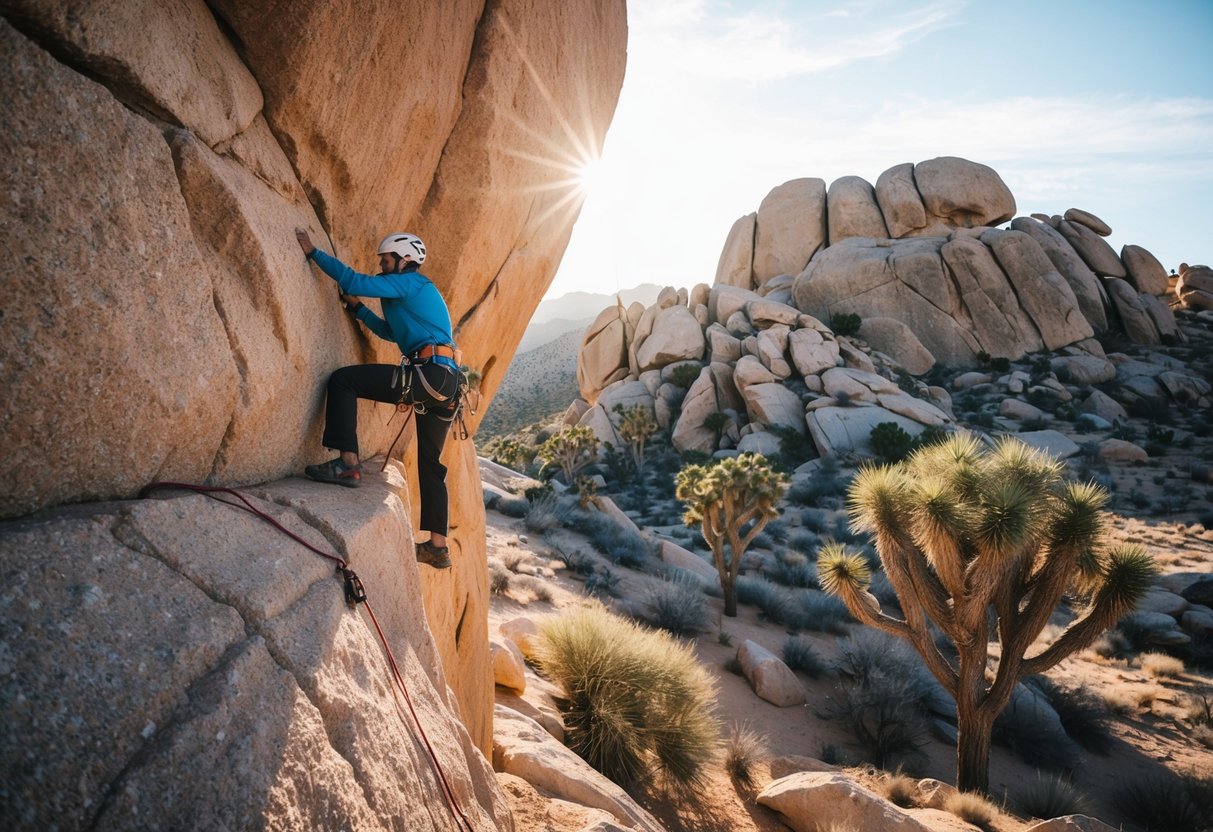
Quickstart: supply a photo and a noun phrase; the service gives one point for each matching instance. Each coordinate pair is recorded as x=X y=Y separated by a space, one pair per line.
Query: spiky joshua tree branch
x=732 y=501
x=961 y=531
x=572 y=449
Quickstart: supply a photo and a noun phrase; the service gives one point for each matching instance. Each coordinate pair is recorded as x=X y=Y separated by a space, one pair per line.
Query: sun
x=590 y=175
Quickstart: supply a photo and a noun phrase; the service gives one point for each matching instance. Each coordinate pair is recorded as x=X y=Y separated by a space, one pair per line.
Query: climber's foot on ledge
x=438 y=557
x=336 y=472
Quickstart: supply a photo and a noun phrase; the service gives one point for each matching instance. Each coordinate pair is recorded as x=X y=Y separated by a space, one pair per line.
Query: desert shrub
x=744 y=750
x=576 y=561
x=899 y=789
x=1166 y=802
x=821 y=613
x=972 y=808
x=538 y=589
x=499 y=578
x=815 y=520
x=1049 y=796
x=806 y=542
x=636 y=702
x=772 y=600
x=845 y=323
x=814 y=491
x=1000 y=364
x=677 y=607
x=684 y=375
x=885 y=704
x=1160 y=665
x=514 y=559
x=602 y=582
x=799 y=654
x=546 y=511
x=622 y=545
x=1082 y=713
x=890 y=442
x=793 y=569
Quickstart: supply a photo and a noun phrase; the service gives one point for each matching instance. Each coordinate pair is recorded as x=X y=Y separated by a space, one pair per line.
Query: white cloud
x=767 y=44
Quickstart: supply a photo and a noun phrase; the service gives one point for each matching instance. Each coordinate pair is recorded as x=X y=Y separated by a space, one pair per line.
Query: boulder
x=899 y=201
x=689 y=432
x=1057 y=445
x=237 y=656
x=736 y=265
x=574 y=412
x=812 y=801
x=1157 y=628
x=771 y=679
x=852 y=211
x=759 y=442
x=625 y=394
x=963 y=193
x=1084 y=370
x=1001 y=325
x=721 y=345
x=1195 y=286
x=676 y=336
x=1136 y=321
x=524 y=632
x=509 y=668
x=1161 y=316
x=902 y=279
x=1121 y=452
x=894 y=338
x=523 y=748
x=1199 y=591
x=1020 y=411
x=790 y=228
x=676 y=556
x=724 y=301
x=1157 y=599
x=1046 y=297
x=1071 y=267
x=1103 y=406
x=774 y=405
x=811 y=353
x=603 y=352
x=1198 y=622
x=845 y=430
x=766 y=313
x=1087 y=220
x=1093 y=249
x=1146 y=274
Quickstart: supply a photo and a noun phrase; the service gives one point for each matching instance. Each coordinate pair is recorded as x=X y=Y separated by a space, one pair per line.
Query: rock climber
x=416 y=319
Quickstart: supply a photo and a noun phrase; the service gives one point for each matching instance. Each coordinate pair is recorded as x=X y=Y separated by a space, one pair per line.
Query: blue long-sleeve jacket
x=414 y=313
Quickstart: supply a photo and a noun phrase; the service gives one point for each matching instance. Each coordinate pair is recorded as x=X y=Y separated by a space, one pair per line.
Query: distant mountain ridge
x=539 y=383
x=577 y=310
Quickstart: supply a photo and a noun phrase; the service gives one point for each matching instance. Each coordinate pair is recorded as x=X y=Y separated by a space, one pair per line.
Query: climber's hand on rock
x=305 y=242
x=350 y=301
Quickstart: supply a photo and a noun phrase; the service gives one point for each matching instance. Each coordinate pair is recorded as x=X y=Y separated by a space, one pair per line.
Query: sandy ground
x=1149 y=733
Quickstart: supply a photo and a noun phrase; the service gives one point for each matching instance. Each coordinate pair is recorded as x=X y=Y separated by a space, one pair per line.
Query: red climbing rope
x=354 y=594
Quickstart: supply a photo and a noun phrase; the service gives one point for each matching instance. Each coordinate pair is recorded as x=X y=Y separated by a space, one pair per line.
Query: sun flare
x=590 y=175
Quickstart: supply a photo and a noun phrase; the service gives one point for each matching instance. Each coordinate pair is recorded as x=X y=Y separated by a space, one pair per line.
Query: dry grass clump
x=499 y=577
x=1161 y=665
x=744 y=750
x=636 y=703
x=1051 y=796
x=536 y=588
x=899 y=788
x=1167 y=802
x=972 y=808
x=1128 y=700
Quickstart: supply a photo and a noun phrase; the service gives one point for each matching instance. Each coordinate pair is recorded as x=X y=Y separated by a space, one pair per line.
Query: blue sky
x=1105 y=106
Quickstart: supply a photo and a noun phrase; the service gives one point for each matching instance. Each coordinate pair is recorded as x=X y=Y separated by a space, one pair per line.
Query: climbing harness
x=464 y=394
x=355 y=594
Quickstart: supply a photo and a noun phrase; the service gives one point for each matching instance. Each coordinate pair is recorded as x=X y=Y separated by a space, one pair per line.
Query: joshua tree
x=572 y=449
x=636 y=425
x=731 y=501
x=983 y=545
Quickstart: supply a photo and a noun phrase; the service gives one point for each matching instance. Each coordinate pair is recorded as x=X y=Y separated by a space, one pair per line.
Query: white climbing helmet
x=406 y=246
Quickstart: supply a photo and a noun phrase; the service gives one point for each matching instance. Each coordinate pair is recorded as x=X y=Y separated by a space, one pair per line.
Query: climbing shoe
x=336 y=472
x=438 y=557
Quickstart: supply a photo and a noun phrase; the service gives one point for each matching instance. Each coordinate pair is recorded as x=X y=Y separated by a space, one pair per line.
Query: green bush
x=684 y=375
x=890 y=443
x=636 y=702
x=845 y=323
x=678 y=607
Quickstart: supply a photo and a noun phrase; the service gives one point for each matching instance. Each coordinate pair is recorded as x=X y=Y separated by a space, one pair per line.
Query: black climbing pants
x=382 y=383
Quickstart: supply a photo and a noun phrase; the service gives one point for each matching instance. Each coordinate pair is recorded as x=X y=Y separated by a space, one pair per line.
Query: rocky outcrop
x=919 y=248
x=194 y=637
x=163 y=324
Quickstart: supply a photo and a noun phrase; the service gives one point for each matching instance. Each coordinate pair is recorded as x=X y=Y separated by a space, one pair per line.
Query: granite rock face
x=181 y=635
x=163 y=324
x=165 y=158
